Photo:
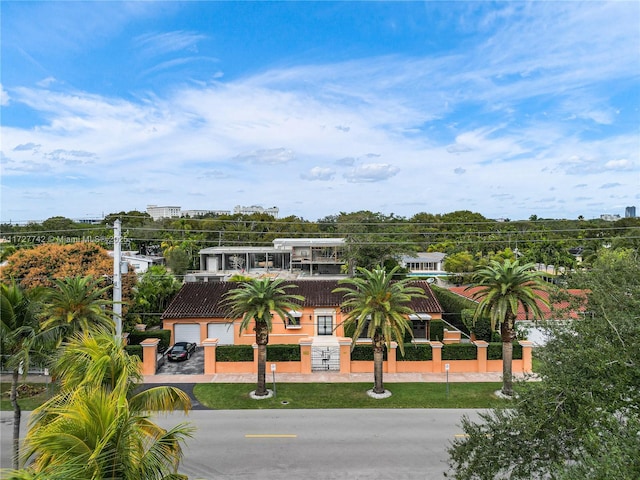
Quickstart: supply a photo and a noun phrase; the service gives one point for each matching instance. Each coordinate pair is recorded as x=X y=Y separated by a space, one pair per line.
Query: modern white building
x=273 y=211
x=157 y=212
x=298 y=256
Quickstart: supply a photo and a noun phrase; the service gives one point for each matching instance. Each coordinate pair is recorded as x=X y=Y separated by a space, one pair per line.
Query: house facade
x=198 y=312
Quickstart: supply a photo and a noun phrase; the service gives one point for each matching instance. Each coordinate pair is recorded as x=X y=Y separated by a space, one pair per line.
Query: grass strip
x=235 y=396
x=30 y=395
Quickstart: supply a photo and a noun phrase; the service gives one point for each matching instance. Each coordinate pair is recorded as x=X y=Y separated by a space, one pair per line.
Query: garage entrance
x=184 y=332
x=222 y=331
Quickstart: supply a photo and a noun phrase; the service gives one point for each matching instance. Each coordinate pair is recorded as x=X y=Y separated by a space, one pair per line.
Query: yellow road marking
x=271 y=435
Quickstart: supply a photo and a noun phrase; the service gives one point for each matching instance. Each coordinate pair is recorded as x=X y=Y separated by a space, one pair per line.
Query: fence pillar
x=305 y=354
x=481 y=356
x=149 y=355
x=391 y=358
x=436 y=351
x=527 y=360
x=345 y=355
x=210 y=345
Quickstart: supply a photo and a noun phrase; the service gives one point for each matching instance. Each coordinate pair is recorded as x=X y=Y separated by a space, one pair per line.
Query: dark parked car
x=181 y=351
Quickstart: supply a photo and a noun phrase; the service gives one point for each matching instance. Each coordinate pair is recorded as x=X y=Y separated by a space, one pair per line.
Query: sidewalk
x=315 y=377
x=329 y=377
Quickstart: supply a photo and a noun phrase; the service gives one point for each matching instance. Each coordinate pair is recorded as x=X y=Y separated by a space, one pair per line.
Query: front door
x=325 y=325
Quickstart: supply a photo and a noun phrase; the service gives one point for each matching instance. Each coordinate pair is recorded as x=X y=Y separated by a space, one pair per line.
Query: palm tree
x=77 y=304
x=258 y=300
x=377 y=303
x=18 y=332
x=504 y=287
x=98 y=426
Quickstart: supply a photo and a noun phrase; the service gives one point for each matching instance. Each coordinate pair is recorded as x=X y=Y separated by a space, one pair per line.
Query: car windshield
x=178 y=348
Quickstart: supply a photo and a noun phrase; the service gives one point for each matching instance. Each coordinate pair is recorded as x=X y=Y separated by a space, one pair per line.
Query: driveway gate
x=325 y=358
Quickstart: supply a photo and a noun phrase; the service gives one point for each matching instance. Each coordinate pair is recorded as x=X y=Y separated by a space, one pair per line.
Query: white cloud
x=372 y=172
x=4 y=96
x=272 y=156
x=319 y=173
x=621 y=164
x=46 y=82
x=153 y=44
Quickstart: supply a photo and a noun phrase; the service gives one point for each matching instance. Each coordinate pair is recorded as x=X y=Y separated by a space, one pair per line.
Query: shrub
x=415 y=352
x=234 y=353
x=364 y=353
x=482 y=327
x=134 y=350
x=494 y=351
x=459 y=351
x=436 y=330
x=283 y=353
x=164 y=335
x=453 y=305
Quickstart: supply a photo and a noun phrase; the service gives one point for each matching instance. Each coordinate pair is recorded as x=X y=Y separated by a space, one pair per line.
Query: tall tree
x=504 y=288
x=257 y=301
x=98 y=425
x=152 y=295
x=377 y=304
x=18 y=331
x=77 y=304
x=581 y=420
x=41 y=265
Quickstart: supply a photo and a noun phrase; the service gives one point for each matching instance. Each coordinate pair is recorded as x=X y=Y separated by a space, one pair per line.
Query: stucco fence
x=480 y=364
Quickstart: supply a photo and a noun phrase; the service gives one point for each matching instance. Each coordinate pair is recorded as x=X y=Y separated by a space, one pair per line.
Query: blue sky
x=508 y=109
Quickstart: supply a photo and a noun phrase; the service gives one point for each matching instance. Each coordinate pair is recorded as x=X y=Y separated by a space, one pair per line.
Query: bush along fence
x=427 y=357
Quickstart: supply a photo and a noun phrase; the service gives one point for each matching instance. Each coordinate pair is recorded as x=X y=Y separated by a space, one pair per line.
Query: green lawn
x=235 y=396
x=232 y=396
x=33 y=395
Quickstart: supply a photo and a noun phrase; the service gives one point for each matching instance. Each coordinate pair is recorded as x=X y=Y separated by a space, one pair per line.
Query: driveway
x=193 y=366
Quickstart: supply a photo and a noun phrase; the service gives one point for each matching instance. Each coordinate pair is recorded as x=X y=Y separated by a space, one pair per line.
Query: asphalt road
x=308 y=444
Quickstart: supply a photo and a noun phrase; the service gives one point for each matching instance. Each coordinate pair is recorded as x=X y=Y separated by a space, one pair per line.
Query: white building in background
x=173 y=211
x=273 y=211
x=139 y=263
x=424 y=263
x=200 y=213
x=610 y=217
x=157 y=212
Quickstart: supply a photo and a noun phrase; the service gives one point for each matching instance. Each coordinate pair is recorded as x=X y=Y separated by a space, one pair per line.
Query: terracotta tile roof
x=549 y=312
x=205 y=299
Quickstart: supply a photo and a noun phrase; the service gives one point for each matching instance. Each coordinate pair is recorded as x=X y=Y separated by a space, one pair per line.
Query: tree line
x=371 y=237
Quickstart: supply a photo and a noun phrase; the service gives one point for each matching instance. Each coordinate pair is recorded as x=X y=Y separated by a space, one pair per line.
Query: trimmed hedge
x=164 y=335
x=415 y=352
x=459 y=351
x=436 y=330
x=134 y=350
x=283 y=353
x=494 y=351
x=453 y=305
x=234 y=353
x=364 y=353
x=482 y=327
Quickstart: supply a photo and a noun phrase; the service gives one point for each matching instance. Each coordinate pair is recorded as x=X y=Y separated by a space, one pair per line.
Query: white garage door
x=187 y=333
x=222 y=331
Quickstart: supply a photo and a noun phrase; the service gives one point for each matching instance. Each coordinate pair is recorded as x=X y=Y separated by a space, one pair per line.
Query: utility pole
x=117 y=278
